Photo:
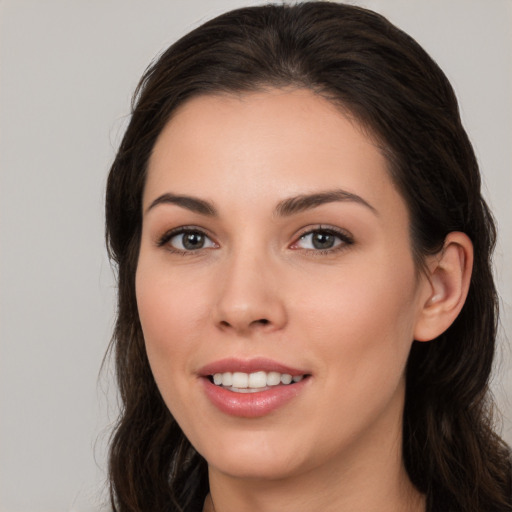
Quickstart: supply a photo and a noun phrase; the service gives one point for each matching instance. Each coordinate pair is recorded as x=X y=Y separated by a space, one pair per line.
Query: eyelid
x=344 y=235
x=164 y=239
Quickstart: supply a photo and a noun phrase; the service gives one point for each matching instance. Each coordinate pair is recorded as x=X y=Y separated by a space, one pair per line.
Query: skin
x=257 y=288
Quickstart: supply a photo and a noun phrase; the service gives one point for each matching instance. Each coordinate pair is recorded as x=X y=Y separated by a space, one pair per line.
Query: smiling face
x=275 y=245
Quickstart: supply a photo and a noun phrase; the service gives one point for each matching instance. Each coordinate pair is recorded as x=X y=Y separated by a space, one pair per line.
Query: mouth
x=252 y=388
x=240 y=382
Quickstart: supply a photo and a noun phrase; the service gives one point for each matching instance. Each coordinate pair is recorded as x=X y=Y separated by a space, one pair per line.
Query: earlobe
x=447 y=284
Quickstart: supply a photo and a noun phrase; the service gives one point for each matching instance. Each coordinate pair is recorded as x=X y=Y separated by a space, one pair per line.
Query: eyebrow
x=190 y=203
x=285 y=208
x=301 y=203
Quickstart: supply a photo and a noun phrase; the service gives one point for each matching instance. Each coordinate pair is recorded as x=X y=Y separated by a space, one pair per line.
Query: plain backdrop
x=67 y=71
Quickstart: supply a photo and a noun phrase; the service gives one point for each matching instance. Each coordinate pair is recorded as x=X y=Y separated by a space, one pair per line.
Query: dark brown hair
x=384 y=79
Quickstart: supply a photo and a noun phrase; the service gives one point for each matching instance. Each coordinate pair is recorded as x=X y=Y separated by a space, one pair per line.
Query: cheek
x=363 y=323
x=361 y=342
x=171 y=313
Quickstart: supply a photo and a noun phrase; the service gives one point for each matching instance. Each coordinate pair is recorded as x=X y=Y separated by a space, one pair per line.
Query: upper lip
x=252 y=365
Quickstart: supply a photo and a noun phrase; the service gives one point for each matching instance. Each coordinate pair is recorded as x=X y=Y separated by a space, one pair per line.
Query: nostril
x=242 y=324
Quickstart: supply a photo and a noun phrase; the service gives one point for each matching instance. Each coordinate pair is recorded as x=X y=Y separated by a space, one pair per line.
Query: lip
x=252 y=405
x=249 y=366
x=255 y=404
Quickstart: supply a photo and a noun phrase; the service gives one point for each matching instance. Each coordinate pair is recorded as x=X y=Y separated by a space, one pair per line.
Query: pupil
x=323 y=240
x=193 y=240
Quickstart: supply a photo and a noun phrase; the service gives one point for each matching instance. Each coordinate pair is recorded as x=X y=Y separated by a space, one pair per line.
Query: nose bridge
x=249 y=295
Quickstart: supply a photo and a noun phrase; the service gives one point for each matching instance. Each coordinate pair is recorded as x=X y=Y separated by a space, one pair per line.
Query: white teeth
x=256 y=380
x=227 y=379
x=286 y=378
x=240 y=380
x=273 y=378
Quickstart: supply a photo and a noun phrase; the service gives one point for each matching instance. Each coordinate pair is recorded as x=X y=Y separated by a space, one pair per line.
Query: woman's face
x=275 y=245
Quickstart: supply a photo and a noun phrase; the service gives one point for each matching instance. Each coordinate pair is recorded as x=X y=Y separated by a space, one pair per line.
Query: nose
x=249 y=296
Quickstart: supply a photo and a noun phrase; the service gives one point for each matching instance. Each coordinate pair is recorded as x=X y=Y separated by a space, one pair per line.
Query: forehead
x=267 y=144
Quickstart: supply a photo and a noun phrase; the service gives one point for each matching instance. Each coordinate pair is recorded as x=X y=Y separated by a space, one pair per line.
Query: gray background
x=67 y=70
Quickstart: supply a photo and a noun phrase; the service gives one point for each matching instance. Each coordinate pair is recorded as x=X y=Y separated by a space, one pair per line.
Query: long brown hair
x=382 y=77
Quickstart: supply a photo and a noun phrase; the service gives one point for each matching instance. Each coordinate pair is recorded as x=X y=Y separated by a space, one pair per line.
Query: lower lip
x=252 y=405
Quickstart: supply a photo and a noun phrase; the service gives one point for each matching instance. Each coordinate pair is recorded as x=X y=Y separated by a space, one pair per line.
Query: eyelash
x=345 y=238
x=169 y=235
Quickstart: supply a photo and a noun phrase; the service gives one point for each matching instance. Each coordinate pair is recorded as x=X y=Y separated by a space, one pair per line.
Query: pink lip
x=251 y=405
x=248 y=366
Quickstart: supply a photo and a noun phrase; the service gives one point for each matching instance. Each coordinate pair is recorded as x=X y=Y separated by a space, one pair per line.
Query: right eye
x=187 y=240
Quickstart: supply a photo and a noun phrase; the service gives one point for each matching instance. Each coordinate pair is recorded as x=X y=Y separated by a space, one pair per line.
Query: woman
x=307 y=313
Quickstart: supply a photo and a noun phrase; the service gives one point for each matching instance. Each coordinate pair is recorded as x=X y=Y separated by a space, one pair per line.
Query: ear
x=446 y=287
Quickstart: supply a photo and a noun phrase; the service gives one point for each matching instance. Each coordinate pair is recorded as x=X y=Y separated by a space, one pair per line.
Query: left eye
x=320 y=239
x=190 y=241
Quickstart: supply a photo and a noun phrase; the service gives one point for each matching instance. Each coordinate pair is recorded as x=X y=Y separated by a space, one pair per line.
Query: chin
x=254 y=458
x=250 y=469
